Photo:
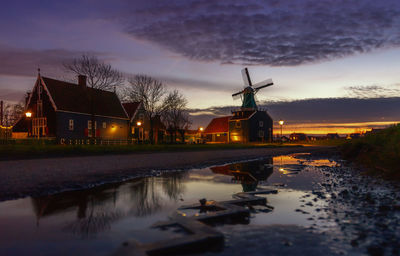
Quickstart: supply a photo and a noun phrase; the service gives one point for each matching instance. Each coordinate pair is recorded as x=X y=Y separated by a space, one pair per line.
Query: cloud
x=270 y=32
x=333 y=110
x=24 y=62
x=373 y=91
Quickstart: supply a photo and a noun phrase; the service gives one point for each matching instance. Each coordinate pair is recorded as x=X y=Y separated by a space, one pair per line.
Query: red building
x=218 y=130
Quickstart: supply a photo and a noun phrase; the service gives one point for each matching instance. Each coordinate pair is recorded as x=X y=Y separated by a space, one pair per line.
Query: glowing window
x=71 y=124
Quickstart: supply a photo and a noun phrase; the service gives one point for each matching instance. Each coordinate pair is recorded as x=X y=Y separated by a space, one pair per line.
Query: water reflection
x=95 y=209
x=110 y=214
x=248 y=173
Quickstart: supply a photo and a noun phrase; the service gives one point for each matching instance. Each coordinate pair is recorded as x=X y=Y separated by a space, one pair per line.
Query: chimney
x=82 y=80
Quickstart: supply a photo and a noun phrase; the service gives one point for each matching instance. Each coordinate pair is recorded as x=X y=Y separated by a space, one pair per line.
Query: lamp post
x=139 y=124
x=281 y=122
x=28 y=115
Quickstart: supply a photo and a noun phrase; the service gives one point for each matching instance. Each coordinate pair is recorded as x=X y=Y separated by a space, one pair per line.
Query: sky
x=336 y=55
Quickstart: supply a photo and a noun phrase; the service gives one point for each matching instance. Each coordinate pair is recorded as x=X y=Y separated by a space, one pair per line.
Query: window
x=261 y=124
x=104 y=125
x=95 y=125
x=71 y=124
x=89 y=124
x=260 y=134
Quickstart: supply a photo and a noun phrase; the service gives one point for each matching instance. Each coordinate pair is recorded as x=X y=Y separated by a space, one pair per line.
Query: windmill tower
x=250 y=90
x=249 y=124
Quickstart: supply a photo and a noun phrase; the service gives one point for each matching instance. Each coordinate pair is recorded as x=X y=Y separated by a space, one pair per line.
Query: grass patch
x=24 y=151
x=379 y=152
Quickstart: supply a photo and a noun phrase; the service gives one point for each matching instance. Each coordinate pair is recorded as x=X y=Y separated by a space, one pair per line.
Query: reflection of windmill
x=250 y=90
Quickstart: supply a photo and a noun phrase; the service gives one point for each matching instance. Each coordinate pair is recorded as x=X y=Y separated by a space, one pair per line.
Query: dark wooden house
x=72 y=113
x=139 y=124
x=250 y=125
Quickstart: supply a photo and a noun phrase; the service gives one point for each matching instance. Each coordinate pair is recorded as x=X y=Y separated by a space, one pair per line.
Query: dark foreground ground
x=34 y=177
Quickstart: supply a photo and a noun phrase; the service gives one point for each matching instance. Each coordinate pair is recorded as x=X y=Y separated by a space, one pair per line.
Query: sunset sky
x=335 y=63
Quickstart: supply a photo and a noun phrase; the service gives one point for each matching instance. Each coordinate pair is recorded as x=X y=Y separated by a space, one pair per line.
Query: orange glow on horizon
x=324 y=128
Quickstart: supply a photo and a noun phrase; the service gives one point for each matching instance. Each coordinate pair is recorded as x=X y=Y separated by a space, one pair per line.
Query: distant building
x=298 y=137
x=218 y=130
x=72 y=113
x=250 y=125
x=332 y=136
x=139 y=124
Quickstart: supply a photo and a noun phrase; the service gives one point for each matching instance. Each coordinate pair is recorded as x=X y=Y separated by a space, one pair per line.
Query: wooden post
x=1 y=113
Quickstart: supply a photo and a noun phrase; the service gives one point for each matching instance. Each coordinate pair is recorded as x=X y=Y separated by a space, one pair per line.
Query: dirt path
x=20 y=178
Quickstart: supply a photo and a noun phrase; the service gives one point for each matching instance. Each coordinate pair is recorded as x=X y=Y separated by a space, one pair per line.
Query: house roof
x=75 y=98
x=218 y=125
x=131 y=108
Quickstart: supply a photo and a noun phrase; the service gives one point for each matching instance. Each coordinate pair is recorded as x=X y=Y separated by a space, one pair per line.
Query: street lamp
x=28 y=114
x=281 y=122
x=201 y=129
x=139 y=123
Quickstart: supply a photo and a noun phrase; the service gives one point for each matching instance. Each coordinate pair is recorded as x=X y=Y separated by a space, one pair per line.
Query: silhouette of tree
x=176 y=116
x=150 y=92
x=100 y=75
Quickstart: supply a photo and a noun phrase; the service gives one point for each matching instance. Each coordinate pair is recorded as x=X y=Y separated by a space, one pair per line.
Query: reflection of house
x=66 y=111
x=139 y=124
x=218 y=130
x=249 y=125
x=298 y=136
x=247 y=173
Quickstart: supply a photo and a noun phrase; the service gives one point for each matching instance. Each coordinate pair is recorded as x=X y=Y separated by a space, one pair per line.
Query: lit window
x=89 y=124
x=95 y=125
x=104 y=125
x=261 y=124
x=261 y=134
x=71 y=124
x=238 y=124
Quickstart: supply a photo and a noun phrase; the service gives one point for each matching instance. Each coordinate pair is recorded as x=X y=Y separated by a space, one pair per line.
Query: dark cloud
x=270 y=32
x=187 y=83
x=333 y=110
x=373 y=91
x=24 y=62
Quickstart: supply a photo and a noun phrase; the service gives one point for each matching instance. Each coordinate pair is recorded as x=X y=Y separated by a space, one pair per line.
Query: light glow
x=28 y=114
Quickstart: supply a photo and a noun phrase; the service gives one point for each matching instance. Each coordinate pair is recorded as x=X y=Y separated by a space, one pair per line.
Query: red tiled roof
x=131 y=108
x=218 y=125
x=75 y=98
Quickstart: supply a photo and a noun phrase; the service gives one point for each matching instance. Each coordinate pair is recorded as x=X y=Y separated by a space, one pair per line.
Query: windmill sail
x=246 y=77
x=263 y=84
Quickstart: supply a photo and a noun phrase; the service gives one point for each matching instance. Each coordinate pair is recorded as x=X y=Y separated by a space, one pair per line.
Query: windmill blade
x=236 y=94
x=246 y=77
x=263 y=84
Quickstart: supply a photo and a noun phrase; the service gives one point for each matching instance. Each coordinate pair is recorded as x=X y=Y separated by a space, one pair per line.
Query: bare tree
x=176 y=116
x=150 y=92
x=12 y=112
x=99 y=75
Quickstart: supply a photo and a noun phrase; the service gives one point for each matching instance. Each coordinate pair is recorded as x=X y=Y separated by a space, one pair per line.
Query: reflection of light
x=139 y=123
x=281 y=122
x=28 y=114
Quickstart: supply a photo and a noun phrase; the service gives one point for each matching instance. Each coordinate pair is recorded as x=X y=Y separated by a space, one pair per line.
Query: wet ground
x=321 y=207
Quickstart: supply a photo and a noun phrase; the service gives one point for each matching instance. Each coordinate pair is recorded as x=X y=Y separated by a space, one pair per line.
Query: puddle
x=98 y=220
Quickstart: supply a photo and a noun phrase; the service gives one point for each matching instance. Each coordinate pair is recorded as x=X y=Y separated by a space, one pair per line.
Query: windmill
x=247 y=94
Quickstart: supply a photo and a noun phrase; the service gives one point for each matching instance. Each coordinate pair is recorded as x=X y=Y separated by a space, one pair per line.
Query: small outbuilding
x=217 y=130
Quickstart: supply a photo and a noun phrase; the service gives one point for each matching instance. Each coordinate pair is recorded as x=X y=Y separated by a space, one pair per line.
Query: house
x=72 y=113
x=217 y=130
x=332 y=136
x=139 y=124
x=250 y=125
x=298 y=136
x=195 y=136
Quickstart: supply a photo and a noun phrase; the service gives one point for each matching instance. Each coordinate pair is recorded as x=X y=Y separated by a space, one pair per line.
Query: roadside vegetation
x=39 y=150
x=378 y=152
